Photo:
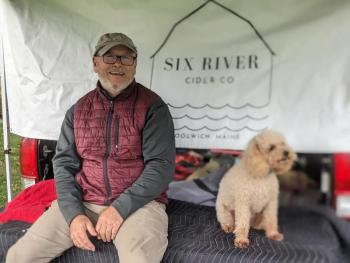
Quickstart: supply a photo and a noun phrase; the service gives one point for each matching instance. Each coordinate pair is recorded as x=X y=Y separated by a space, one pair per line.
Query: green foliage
x=15 y=169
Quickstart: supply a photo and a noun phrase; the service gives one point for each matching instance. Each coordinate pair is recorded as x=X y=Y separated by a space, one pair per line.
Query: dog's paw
x=276 y=236
x=227 y=228
x=241 y=242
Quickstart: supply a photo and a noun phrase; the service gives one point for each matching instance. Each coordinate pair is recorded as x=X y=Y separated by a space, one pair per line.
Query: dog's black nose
x=285 y=153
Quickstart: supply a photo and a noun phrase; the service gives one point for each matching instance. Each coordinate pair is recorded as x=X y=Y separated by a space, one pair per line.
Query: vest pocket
x=129 y=147
x=116 y=134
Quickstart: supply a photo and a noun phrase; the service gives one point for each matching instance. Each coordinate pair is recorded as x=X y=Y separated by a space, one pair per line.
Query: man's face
x=115 y=77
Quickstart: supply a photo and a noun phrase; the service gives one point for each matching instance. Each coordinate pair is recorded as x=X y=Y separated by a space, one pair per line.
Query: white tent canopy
x=227 y=69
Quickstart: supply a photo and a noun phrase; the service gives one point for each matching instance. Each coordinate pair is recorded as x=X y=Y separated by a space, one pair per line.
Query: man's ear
x=94 y=63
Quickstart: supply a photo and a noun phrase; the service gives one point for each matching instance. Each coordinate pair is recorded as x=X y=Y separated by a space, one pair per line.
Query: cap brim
x=103 y=50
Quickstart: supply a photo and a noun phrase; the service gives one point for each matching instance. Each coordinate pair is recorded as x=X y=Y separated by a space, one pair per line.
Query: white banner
x=227 y=69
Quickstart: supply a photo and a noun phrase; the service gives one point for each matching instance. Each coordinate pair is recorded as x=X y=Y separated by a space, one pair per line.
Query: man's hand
x=108 y=224
x=78 y=232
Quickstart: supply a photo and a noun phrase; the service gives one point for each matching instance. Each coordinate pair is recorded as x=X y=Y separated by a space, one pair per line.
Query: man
x=114 y=160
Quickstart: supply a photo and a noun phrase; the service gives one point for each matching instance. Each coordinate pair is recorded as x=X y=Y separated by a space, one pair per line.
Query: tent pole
x=5 y=120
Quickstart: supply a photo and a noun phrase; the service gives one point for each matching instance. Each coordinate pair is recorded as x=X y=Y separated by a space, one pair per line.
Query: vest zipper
x=108 y=149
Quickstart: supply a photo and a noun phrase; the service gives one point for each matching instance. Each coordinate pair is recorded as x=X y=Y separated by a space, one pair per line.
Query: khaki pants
x=141 y=239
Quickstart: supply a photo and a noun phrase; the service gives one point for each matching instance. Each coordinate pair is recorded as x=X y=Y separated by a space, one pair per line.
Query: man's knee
x=142 y=250
x=143 y=237
x=34 y=248
x=20 y=253
x=44 y=240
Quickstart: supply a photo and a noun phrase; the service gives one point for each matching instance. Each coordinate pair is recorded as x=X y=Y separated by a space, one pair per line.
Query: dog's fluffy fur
x=248 y=192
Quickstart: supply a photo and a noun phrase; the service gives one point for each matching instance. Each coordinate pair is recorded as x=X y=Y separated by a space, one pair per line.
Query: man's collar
x=124 y=94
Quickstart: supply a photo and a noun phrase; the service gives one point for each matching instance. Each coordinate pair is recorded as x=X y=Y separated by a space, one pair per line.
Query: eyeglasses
x=124 y=60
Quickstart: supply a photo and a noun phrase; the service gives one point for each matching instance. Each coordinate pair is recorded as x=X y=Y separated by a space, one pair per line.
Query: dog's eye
x=272 y=147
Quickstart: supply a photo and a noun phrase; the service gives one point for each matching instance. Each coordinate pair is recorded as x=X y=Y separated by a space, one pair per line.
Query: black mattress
x=312 y=234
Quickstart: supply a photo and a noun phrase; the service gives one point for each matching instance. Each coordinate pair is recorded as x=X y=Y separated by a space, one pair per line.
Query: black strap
x=204 y=187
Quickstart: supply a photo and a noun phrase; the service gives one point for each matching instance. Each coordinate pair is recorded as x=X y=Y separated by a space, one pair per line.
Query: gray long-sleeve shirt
x=158 y=147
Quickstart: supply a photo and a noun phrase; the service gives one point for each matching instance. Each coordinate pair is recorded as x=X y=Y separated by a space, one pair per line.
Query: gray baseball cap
x=109 y=40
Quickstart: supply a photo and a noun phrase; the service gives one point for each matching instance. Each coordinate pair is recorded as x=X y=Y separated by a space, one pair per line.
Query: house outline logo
x=191 y=107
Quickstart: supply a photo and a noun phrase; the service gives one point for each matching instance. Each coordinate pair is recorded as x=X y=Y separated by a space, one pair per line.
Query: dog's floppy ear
x=255 y=160
x=258 y=146
x=253 y=147
x=262 y=142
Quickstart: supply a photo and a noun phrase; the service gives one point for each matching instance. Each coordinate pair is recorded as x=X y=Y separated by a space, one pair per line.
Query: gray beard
x=116 y=90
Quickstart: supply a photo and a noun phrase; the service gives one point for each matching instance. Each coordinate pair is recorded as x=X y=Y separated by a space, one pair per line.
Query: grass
x=15 y=169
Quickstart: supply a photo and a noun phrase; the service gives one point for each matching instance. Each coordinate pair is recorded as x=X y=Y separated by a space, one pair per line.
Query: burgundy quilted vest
x=108 y=138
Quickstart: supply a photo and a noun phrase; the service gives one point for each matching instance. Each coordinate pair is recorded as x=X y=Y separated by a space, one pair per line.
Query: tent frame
x=5 y=114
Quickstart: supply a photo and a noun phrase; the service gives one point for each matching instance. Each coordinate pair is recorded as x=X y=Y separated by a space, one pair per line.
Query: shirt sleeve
x=158 y=147
x=66 y=164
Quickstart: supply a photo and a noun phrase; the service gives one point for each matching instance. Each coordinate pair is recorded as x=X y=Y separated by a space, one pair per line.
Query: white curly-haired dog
x=248 y=192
